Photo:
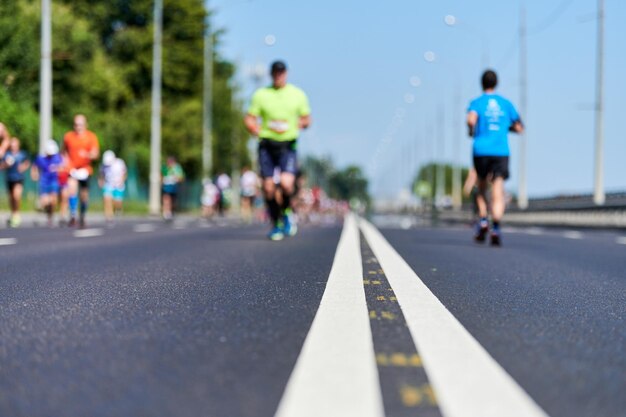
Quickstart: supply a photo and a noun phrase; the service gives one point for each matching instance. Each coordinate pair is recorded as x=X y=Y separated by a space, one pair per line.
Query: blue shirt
x=495 y=116
x=48 y=168
x=13 y=172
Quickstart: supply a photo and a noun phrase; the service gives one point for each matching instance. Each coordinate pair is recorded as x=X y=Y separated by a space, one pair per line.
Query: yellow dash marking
x=373 y=314
x=389 y=289
x=411 y=396
x=387 y=315
x=380 y=271
x=381 y=298
x=393 y=299
x=382 y=360
x=375 y=282
x=366 y=282
x=372 y=272
x=415 y=361
x=416 y=396
x=399 y=359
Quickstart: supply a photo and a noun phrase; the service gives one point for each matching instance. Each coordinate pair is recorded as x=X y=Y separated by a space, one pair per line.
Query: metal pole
x=155 y=126
x=522 y=195
x=598 y=192
x=45 y=99
x=441 y=175
x=207 y=111
x=457 y=199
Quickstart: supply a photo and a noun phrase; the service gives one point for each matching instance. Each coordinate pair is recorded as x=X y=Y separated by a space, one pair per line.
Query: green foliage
x=102 y=67
x=347 y=184
x=428 y=174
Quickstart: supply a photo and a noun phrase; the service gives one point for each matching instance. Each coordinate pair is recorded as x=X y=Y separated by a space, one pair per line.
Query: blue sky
x=355 y=59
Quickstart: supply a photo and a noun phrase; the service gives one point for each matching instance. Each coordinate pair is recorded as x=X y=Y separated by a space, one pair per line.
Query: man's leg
x=269 y=190
x=497 y=199
x=72 y=187
x=497 y=209
x=287 y=183
x=16 y=198
x=108 y=207
x=481 y=200
x=167 y=206
x=84 y=202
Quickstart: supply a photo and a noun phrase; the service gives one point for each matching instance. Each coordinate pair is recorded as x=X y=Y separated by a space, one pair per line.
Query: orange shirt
x=78 y=146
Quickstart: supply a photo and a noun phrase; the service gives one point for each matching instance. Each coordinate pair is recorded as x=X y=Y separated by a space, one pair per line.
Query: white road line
x=620 y=240
x=534 y=231
x=573 y=234
x=7 y=241
x=179 y=225
x=468 y=382
x=89 y=233
x=336 y=373
x=144 y=228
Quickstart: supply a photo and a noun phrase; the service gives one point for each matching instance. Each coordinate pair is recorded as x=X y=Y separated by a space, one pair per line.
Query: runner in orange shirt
x=82 y=148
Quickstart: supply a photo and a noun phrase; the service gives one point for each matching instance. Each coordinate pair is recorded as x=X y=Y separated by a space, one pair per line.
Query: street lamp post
x=522 y=195
x=457 y=200
x=45 y=101
x=598 y=192
x=207 y=113
x=155 y=126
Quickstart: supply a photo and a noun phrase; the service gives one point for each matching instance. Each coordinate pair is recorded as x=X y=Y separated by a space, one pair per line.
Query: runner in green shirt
x=276 y=115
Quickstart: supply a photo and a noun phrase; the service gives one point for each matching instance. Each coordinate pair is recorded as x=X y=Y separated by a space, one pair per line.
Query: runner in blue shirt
x=45 y=170
x=490 y=117
x=15 y=162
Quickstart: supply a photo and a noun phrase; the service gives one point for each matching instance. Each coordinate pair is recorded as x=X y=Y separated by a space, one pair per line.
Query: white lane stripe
x=144 y=228
x=468 y=382
x=8 y=241
x=572 y=234
x=89 y=233
x=180 y=226
x=621 y=240
x=336 y=373
x=534 y=231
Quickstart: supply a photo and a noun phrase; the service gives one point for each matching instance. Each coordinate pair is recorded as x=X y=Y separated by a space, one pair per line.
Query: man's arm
x=252 y=124
x=5 y=137
x=305 y=121
x=517 y=127
x=472 y=119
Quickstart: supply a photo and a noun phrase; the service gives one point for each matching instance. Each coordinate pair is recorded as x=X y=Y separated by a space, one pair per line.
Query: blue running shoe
x=482 y=228
x=276 y=234
x=290 y=226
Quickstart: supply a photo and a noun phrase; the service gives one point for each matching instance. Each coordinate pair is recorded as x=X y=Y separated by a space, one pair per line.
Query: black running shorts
x=274 y=154
x=492 y=166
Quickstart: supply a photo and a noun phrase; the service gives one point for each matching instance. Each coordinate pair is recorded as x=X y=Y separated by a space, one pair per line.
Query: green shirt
x=280 y=110
x=172 y=175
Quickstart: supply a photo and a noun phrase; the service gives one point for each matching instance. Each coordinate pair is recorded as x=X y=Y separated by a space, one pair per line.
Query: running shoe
x=496 y=238
x=15 y=221
x=290 y=226
x=276 y=234
x=482 y=228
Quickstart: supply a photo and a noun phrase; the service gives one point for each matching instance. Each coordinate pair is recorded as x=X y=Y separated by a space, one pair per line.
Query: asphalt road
x=149 y=319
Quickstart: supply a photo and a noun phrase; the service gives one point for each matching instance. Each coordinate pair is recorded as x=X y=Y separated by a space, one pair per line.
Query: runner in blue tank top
x=490 y=117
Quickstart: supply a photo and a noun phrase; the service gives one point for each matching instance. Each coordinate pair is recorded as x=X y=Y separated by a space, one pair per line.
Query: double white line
x=336 y=372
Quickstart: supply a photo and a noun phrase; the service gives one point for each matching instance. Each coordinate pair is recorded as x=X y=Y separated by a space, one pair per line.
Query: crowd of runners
x=276 y=115
x=62 y=173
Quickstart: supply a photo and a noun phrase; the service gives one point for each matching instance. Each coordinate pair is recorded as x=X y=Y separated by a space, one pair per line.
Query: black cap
x=277 y=67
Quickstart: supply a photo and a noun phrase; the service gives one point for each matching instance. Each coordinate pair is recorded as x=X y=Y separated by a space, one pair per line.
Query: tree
x=102 y=67
x=427 y=175
x=349 y=184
